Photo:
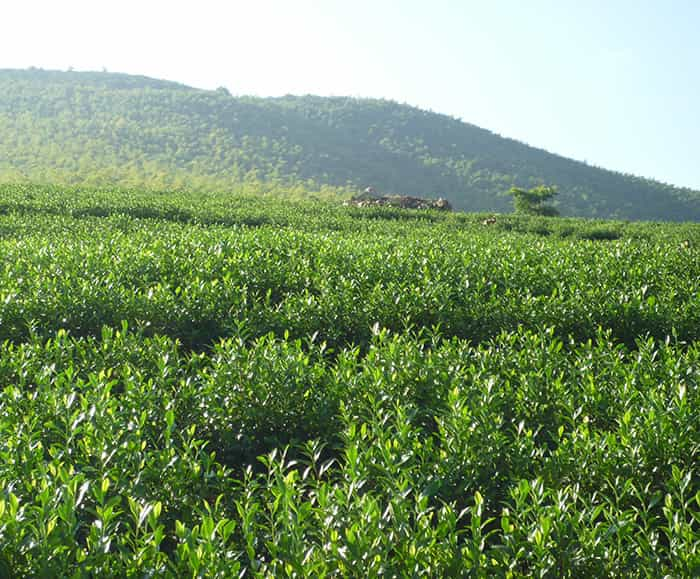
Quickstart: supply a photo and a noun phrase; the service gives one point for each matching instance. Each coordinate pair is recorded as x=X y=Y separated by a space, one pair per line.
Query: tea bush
x=214 y=387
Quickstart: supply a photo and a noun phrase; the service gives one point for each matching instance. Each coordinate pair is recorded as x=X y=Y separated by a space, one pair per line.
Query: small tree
x=532 y=201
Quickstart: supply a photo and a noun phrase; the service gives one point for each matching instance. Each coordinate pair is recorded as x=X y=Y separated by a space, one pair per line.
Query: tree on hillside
x=532 y=201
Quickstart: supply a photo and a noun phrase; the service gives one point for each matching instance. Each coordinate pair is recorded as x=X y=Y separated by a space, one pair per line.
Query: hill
x=103 y=128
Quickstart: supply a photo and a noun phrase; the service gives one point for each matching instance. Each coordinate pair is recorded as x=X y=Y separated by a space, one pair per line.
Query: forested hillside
x=104 y=128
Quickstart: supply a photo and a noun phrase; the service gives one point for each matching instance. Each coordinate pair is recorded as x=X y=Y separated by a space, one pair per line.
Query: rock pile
x=370 y=199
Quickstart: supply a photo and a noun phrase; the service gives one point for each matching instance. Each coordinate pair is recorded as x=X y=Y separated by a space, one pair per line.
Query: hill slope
x=101 y=128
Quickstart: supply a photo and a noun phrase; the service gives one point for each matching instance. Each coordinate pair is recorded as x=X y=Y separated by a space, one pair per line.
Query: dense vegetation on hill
x=217 y=386
x=102 y=128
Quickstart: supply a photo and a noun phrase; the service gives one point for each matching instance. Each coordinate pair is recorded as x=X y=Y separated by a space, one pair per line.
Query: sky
x=615 y=83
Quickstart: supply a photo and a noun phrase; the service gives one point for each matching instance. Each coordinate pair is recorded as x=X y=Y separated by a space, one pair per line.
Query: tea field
x=217 y=386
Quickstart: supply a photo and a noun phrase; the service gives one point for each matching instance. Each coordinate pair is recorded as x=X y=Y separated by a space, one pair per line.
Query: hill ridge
x=102 y=128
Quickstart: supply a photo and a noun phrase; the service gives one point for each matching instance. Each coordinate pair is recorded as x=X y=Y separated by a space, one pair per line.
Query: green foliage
x=524 y=453
x=532 y=201
x=599 y=233
x=216 y=385
x=103 y=129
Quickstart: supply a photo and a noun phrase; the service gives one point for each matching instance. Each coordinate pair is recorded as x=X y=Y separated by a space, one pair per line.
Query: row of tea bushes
x=125 y=455
x=199 y=284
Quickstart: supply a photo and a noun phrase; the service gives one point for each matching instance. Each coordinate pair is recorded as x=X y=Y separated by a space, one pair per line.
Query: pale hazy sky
x=612 y=82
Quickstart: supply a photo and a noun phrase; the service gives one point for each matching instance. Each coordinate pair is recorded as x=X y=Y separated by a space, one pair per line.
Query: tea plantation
x=220 y=386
